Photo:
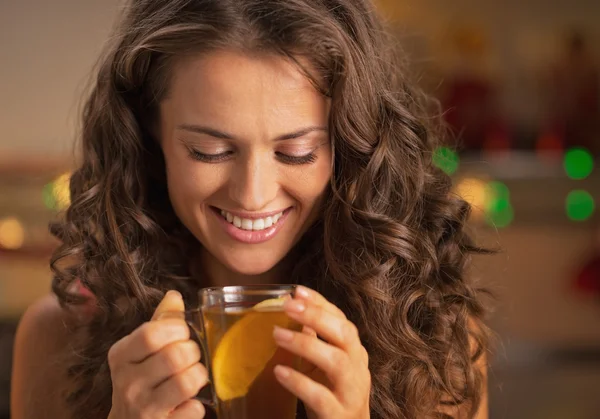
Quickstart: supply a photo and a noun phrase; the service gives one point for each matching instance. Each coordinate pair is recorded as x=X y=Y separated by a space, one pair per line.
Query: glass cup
x=234 y=327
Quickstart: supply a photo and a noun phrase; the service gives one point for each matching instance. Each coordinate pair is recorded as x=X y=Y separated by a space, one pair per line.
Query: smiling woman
x=257 y=149
x=238 y=142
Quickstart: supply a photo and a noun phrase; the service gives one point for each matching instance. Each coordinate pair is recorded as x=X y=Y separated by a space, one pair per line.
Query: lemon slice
x=246 y=348
x=270 y=304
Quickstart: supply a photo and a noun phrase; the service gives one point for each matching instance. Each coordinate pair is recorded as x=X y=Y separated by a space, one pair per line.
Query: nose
x=254 y=184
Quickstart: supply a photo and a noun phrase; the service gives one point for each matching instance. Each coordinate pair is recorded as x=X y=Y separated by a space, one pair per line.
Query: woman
x=256 y=141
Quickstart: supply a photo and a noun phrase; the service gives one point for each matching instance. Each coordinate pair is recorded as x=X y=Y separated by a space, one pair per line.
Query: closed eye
x=297 y=160
x=209 y=158
x=220 y=157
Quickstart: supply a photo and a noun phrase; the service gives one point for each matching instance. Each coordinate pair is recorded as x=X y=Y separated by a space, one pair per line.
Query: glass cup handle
x=193 y=318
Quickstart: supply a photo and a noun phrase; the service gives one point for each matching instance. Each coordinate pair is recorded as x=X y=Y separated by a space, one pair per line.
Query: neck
x=215 y=274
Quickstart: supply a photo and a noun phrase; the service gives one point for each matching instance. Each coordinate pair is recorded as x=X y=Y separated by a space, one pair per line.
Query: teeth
x=247 y=224
x=237 y=221
x=258 y=224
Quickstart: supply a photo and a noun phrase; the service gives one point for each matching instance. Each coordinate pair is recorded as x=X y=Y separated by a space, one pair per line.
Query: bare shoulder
x=42 y=346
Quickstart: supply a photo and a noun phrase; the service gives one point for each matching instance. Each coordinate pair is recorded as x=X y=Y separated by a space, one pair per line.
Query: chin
x=250 y=265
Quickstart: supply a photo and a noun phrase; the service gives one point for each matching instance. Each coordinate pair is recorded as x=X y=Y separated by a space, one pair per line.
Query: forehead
x=220 y=83
x=225 y=70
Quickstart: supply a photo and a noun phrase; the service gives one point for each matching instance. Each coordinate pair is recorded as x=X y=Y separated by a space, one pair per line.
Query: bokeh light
x=473 y=191
x=490 y=200
x=578 y=163
x=56 y=195
x=579 y=205
x=446 y=160
x=48 y=196
x=499 y=212
x=501 y=216
x=497 y=195
x=12 y=233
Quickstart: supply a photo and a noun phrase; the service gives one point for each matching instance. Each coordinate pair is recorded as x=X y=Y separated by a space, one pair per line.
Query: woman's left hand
x=338 y=383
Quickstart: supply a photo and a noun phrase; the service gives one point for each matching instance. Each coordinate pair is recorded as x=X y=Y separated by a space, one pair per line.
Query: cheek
x=308 y=184
x=191 y=183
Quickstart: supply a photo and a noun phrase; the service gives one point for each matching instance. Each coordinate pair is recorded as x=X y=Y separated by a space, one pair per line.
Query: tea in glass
x=242 y=355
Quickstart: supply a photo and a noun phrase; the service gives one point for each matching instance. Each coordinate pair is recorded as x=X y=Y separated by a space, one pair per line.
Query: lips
x=251 y=228
x=248 y=224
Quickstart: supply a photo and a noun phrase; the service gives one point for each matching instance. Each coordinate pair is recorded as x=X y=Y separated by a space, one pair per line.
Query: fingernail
x=283 y=335
x=173 y=293
x=302 y=292
x=282 y=372
x=295 y=306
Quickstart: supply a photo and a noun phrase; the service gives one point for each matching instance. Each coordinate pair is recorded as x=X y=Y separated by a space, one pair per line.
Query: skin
x=236 y=131
x=257 y=110
x=256 y=101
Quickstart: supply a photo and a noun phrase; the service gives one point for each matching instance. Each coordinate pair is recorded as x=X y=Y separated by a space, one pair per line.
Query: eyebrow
x=201 y=129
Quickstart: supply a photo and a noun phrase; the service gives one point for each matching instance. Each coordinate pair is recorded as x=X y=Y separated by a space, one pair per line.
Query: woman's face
x=248 y=157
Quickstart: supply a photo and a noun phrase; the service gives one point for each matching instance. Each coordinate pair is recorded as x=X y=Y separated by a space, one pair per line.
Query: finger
x=334 y=362
x=146 y=340
x=334 y=329
x=151 y=337
x=307 y=367
x=179 y=388
x=315 y=396
x=171 y=302
x=169 y=361
x=308 y=331
x=189 y=409
x=313 y=296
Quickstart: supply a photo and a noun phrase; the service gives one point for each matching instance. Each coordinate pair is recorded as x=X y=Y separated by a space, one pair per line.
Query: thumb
x=171 y=305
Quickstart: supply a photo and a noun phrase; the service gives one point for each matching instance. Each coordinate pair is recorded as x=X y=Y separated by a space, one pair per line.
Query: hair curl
x=390 y=249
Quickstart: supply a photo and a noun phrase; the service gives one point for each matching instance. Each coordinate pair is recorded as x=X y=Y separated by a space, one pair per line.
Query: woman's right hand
x=156 y=370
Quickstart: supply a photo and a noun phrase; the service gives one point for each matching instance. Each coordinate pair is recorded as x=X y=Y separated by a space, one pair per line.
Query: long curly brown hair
x=390 y=248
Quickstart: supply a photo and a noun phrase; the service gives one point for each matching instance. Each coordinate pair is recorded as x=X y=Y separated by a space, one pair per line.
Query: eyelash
x=217 y=158
x=208 y=158
x=297 y=160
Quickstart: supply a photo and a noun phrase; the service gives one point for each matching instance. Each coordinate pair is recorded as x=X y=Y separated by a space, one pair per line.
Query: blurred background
x=520 y=86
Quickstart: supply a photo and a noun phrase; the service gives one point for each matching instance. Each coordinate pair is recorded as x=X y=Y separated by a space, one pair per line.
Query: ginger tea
x=243 y=355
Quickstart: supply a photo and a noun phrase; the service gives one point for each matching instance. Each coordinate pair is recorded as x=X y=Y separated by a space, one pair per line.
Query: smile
x=256 y=224
x=251 y=228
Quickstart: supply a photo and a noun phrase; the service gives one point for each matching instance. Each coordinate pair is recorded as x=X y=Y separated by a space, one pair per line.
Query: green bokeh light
x=48 y=196
x=499 y=212
x=579 y=205
x=498 y=190
x=578 y=163
x=446 y=160
x=497 y=196
x=502 y=216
